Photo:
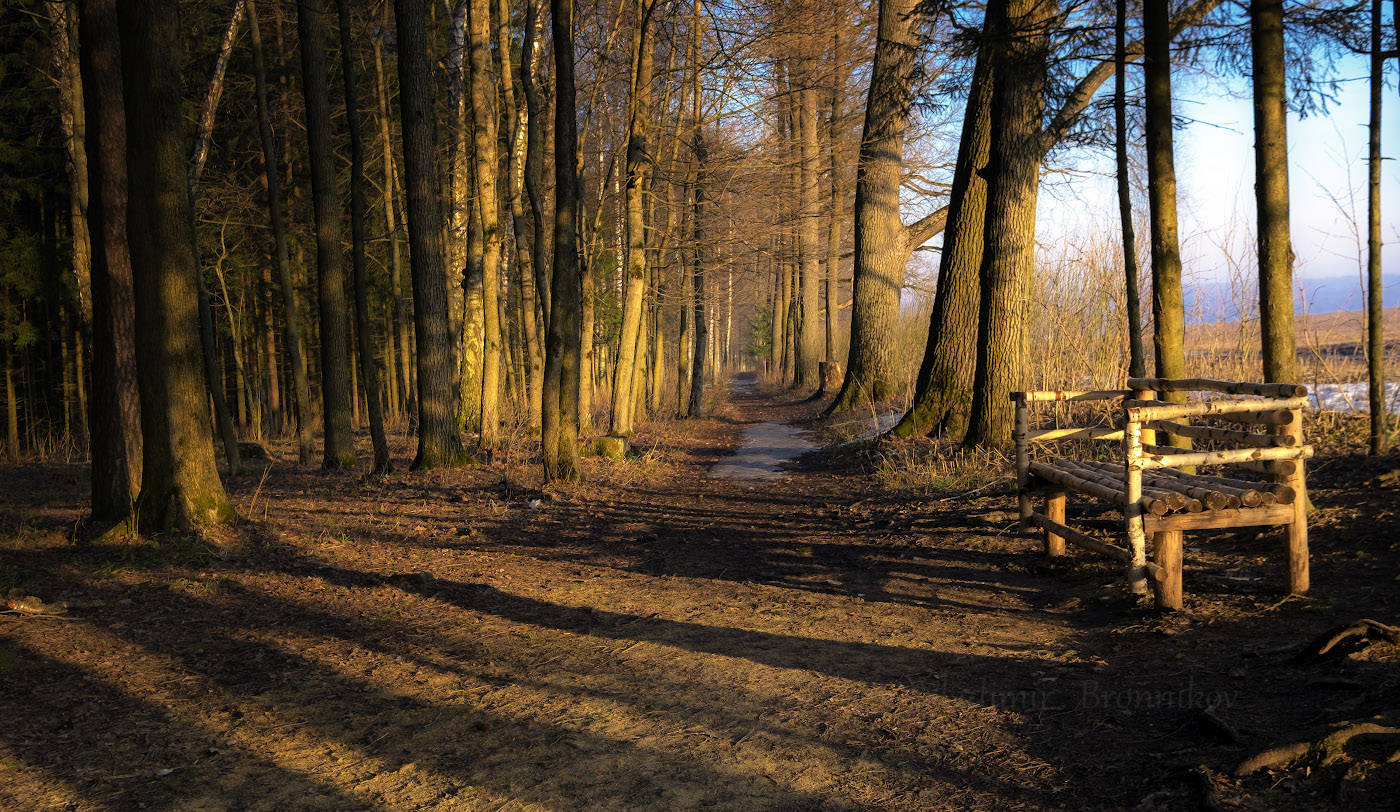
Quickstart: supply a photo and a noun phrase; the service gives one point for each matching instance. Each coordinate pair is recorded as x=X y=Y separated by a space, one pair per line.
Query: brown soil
x=658 y=640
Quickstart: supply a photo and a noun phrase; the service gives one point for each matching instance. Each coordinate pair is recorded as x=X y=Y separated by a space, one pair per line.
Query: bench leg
x=1166 y=550
x=1298 y=550
x=1055 y=512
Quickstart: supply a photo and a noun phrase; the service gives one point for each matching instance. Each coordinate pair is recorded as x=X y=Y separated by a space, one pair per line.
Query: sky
x=1215 y=178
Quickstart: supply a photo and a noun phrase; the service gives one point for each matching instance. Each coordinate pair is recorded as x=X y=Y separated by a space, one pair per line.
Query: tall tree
x=1020 y=37
x=439 y=442
x=1375 y=315
x=809 y=331
x=638 y=168
x=291 y=321
x=1168 y=312
x=369 y=373
x=114 y=412
x=180 y=485
x=484 y=117
x=1137 y=365
x=881 y=251
x=336 y=394
x=559 y=416
x=1269 y=67
x=516 y=121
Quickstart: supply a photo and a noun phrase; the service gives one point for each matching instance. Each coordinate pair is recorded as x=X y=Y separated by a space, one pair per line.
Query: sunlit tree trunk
x=943 y=393
x=516 y=120
x=1137 y=364
x=439 y=441
x=487 y=211
x=403 y=363
x=809 y=329
x=114 y=413
x=880 y=252
x=1271 y=191
x=180 y=485
x=1168 y=311
x=1020 y=36
x=638 y=168
x=1375 y=315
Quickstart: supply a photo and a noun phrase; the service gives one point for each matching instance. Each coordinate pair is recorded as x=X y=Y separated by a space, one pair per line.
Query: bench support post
x=1055 y=511
x=1166 y=550
x=1298 y=576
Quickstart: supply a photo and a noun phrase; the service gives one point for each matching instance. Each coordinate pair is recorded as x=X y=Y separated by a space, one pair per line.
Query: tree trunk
x=559 y=417
x=369 y=373
x=404 y=363
x=809 y=329
x=439 y=441
x=291 y=321
x=484 y=117
x=180 y=485
x=1137 y=364
x=1020 y=46
x=943 y=393
x=269 y=349
x=63 y=25
x=873 y=371
x=1168 y=313
x=638 y=168
x=336 y=394
x=835 y=113
x=1271 y=192
x=114 y=410
x=1375 y=315
x=534 y=144
x=533 y=355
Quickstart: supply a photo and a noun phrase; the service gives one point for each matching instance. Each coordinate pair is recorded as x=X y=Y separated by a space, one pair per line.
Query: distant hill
x=1215 y=301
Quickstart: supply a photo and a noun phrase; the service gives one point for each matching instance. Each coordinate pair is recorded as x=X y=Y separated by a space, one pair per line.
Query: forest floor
x=658 y=639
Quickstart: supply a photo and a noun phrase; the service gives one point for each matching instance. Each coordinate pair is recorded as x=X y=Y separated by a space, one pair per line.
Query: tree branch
x=1083 y=93
x=924 y=229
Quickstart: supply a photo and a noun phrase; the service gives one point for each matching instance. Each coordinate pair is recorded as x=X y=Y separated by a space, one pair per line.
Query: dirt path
x=655 y=639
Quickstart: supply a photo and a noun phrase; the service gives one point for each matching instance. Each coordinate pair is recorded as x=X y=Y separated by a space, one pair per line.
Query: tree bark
x=873 y=369
x=484 y=118
x=291 y=323
x=1020 y=48
x=1137 y=364
x=809 y=329
x=1375 y=315
x=404 y=363
x=638 y=168
x=369 y=372
x=114 y=410
x=943 y=394
x=527 y=292
x=835 y=114
x=1168 y=313
x=63 y=25
x=336 y=394
x=439 y=441
x=559 y=416
x=1271 y=192
x=180 y=485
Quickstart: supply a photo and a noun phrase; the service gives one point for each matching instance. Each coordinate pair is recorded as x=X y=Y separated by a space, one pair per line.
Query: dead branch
x=1346 y=639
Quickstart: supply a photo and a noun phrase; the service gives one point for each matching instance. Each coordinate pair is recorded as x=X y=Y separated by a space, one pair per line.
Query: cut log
x=1267 y=390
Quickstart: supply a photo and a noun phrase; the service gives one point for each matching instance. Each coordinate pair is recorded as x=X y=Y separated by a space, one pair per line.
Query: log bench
x=1251 y=427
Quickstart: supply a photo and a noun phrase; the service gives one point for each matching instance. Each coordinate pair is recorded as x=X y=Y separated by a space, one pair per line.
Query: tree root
x=1346 y=639
x=1323 y=752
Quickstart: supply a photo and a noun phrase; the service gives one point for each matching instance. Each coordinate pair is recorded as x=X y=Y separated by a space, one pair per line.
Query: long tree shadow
x=417 y=727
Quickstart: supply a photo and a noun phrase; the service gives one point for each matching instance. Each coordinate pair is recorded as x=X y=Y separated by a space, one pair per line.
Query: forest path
x=651 y=640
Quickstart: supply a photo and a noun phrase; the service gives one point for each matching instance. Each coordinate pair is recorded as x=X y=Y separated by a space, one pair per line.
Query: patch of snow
x=1351 y=397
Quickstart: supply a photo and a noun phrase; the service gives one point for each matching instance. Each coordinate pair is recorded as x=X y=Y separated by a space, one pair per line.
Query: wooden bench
x=1255 y=427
